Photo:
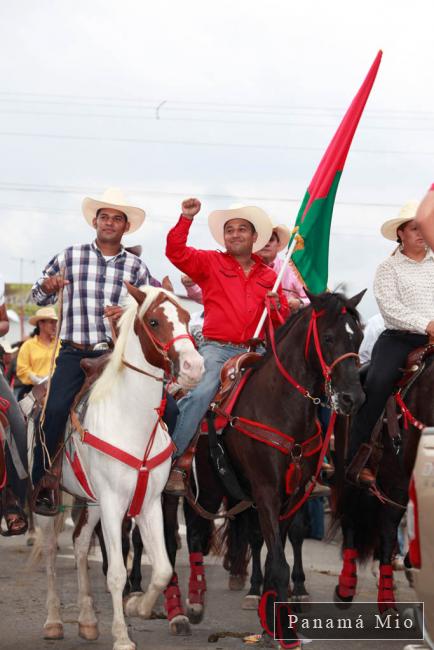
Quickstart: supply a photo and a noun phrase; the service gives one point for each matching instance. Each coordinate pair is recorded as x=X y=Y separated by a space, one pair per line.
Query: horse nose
x=186 y=365
x=347 y=400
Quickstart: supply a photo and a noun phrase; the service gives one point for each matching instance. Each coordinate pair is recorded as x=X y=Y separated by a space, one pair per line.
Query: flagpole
x=286 y=259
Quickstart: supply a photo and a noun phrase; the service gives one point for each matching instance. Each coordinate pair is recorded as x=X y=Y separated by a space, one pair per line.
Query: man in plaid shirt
x=92 y=277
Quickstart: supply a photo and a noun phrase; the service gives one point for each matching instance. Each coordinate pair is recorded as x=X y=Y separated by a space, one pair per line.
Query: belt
x=95 y=347
x=237 y=345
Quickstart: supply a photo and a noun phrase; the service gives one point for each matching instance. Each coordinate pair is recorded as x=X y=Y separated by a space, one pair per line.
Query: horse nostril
x=347 y=399
x=186 y=365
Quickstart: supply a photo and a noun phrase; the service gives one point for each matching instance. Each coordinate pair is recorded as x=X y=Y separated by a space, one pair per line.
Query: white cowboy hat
x=113 y=198
x=258 y=217
x=7 y=347
x=45 y=313
x=407 y=213
x=283 y=233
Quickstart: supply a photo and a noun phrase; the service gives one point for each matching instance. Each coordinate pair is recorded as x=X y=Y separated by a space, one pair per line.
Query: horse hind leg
x=87 y=621
x=256 y=541
x=296 y=534
x=345 y=590
x=135 y=577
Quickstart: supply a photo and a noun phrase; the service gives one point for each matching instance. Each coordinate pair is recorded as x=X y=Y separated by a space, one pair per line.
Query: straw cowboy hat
x=113 y=198
x=283 y=234
x=407 y=213
x=258 y=217
x=45 y=313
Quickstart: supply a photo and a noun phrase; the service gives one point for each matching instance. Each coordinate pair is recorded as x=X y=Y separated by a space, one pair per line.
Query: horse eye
x=328 y=338
x=153 y=323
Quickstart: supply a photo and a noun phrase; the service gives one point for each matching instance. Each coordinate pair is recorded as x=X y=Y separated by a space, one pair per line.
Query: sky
x=227 y=101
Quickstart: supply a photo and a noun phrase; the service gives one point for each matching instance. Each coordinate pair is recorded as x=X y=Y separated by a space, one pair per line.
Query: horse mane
x=114 y=365
x=333 y=303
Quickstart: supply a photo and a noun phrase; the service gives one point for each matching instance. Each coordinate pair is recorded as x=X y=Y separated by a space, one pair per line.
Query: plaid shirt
x=94 y=283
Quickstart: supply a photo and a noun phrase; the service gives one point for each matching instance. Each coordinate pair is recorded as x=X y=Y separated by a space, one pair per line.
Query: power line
x=84 y=191
x=191 y=143
x=153 y=118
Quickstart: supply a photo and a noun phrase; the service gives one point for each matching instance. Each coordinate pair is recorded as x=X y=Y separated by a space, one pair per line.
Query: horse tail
x=231 y=540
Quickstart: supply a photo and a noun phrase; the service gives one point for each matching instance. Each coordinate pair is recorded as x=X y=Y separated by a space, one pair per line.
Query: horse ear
x=138 y=295
x=354 y=301
x=313 y=299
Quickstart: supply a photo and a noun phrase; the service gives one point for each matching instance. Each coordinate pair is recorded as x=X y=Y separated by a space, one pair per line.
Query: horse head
x=162 y=328
x=333 y=339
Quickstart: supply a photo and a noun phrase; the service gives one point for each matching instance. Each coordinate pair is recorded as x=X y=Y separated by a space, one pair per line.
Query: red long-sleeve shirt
x=233 y=301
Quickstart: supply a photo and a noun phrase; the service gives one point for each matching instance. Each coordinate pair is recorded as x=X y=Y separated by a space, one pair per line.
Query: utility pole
x=21 y=260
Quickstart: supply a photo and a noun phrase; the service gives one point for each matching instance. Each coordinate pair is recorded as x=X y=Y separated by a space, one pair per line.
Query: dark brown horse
x=370 y=526
x=317 y=348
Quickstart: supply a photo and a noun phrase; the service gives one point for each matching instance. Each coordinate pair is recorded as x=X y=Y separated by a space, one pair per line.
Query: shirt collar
x=256 y=258
x=97 y=250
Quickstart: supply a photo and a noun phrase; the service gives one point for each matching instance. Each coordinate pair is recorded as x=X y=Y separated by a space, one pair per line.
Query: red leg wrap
x=348 y=576
x=172 y=599
x=262 y=610
x=197 y=583
x=386 y=597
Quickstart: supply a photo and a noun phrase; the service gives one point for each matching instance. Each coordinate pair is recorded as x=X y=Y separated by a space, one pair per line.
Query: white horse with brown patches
x=125 y=454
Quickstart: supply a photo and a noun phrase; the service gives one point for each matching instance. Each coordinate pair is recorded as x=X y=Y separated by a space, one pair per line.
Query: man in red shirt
x=234 y=285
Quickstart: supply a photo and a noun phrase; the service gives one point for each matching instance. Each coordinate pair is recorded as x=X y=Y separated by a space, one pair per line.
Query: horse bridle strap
x=140 y=370
x=326 y=369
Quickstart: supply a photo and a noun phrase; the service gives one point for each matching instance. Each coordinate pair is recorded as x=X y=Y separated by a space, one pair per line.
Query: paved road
x=22 y=602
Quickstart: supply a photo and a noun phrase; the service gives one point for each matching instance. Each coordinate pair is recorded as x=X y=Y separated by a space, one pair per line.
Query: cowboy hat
x=7 y=347
x=113 y=198
x=256 y=216
x=407 y=213
x=45 y=313
x=283 y=234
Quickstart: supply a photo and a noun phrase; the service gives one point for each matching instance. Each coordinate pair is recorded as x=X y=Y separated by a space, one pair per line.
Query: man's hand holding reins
x=114 y=312
x=430 y=330
x=53 y=284
x=190 y=208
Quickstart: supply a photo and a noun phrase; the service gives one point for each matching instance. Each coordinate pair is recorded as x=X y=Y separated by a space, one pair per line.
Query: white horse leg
x=87 y=621
x=111 y=520
x=53 y=627
x=150 y=522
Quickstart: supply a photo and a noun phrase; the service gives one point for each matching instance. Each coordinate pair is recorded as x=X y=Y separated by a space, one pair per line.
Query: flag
x=312 y=227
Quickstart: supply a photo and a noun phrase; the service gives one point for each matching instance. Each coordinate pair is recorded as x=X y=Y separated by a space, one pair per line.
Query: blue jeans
x=194 y=405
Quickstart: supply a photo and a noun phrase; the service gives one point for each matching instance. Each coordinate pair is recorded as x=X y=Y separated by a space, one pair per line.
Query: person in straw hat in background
x=92 y=277
x=35 y=355
x=404 y=290
x=234 y=284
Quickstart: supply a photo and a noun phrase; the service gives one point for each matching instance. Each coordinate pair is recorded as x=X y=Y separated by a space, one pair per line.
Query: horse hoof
x=88 y=631
x=250 y=602
x=53 y=631
x=300 y=598
x=236 y=583
x=124 y=645
x=195 y=612
x=180 y=626
x=341 y=602
x=131 y=604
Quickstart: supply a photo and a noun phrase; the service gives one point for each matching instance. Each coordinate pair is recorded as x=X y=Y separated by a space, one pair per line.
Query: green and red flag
x=312 y=227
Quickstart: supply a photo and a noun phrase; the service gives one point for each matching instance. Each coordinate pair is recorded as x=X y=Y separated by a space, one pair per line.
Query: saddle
x=92 y=368
x=231 y=375
x=415 y=363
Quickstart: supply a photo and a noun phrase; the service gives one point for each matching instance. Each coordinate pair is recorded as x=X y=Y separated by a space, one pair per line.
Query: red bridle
x=326 y=369
x=161 y=347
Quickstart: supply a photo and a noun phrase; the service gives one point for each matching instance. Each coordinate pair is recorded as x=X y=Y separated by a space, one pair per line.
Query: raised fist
x=190 y=207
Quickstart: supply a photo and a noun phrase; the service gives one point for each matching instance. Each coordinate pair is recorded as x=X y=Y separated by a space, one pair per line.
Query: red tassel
x=293 y=478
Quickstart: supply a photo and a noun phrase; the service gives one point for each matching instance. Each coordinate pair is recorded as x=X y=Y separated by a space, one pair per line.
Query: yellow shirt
x=34 y=357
